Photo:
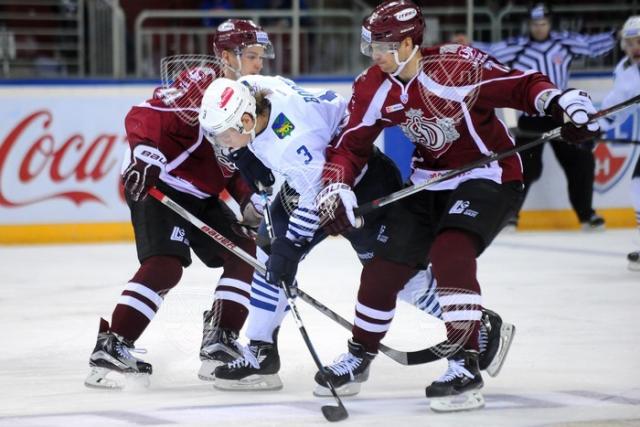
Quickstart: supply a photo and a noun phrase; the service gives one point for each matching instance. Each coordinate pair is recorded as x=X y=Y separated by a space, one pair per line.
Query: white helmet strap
x=402 y=64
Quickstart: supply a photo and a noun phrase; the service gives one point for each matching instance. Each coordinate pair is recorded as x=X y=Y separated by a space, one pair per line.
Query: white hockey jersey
x=301 y=124
x=626 y=84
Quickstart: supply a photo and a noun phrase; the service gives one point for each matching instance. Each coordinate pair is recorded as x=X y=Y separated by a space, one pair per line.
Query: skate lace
x=483 y=337
x=456 y=370
x=248 y=358
x=346 y=363
x=125 y=352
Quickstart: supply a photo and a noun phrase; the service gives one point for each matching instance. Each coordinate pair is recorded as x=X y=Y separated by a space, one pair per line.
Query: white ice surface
x=575 y=359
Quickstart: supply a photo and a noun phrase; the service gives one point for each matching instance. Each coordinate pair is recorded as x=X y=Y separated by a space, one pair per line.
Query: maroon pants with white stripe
x=453 y=256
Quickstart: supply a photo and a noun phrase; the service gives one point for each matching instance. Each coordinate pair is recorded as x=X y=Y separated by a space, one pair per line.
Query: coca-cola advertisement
x=61 y=151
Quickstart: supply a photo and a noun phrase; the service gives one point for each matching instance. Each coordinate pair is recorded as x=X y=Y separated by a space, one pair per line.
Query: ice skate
x=346 y=373
x=495 y=337
x=218 y=347
x=113 y=365
x=459 y=388
x=594 y=223
x=634 y=260
x=256 y=369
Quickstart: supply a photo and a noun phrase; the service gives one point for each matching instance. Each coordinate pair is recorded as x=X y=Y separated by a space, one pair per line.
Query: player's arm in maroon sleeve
x=147 y=161
x=351 y=149
x=251 y=204
x=238 y=188
x=533 y=93
x=502 y=87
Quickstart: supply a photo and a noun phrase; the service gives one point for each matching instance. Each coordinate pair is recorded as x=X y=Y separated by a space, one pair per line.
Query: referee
x=551 y=53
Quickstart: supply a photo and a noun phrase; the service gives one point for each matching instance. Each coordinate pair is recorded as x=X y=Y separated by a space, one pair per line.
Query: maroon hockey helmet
x=237 y=34
x=392 y=22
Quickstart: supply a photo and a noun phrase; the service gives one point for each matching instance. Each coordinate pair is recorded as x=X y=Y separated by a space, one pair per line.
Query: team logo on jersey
x=227 y=165
x=612 y=163
x=282 y=126
x=436 y=135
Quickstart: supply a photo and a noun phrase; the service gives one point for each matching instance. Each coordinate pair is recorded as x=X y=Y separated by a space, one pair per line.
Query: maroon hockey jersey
x=451 y=119
x=168 y=121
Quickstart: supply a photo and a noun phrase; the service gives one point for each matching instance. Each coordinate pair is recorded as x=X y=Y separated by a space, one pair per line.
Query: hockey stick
x=439 y=351
x=547 y=136
x=417 y=357
x=331 y=413
x=527 y=134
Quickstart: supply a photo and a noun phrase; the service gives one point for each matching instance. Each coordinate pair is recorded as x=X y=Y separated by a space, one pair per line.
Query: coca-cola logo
x=72 y=164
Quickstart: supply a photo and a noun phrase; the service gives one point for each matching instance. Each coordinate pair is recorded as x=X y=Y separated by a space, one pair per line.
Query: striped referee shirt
x=552 y=56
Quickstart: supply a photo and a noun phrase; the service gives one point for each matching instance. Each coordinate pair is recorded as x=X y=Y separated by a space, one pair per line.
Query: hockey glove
x=335 y=204
x=252 y=170
x=282 y=264
x=143 y=172
x=577 y=105
x=252 y=211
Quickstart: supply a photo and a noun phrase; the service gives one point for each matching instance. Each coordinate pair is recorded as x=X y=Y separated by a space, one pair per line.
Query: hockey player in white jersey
x=288 y=129
x=626 y=84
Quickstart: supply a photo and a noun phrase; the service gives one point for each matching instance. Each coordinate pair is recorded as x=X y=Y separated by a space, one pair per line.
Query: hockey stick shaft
x=528 y=134
x=331 y=413
x=547 y=136
x=406 y=358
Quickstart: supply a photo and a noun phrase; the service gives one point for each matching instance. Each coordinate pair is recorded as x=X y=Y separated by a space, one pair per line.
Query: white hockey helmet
x=630 y=29
x=223 y=104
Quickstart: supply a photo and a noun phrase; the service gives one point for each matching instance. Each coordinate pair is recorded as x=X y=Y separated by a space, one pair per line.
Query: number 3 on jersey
x=305 y=152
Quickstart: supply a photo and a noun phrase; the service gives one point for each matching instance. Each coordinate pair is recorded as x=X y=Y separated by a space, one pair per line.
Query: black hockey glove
x=143 y=172
x=252 y=170
x=282 y=264
x=577 y=105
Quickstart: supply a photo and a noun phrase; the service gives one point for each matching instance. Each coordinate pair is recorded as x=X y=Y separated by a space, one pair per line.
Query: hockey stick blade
x=493 y=157
x=335 y=413
x=331 y=413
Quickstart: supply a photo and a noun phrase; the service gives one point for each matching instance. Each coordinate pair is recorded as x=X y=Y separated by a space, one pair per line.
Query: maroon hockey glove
x=336 y=204
x=577 y=105
x=143 y=172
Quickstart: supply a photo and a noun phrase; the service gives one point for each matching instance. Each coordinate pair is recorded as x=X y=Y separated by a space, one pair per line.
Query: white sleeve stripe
x=373 y=313
x=146 y=292
x=460 y=299
x=371 y=327
x=137 y=305
x=462 y=315
x=232 y=296
x=235 y=283
x=472 y=130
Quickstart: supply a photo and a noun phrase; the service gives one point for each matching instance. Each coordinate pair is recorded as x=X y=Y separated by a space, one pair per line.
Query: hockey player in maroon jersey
x=168 y=150
x=443 y=98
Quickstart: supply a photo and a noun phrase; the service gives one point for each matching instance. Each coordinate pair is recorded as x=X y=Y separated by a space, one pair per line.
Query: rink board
x=61 y=148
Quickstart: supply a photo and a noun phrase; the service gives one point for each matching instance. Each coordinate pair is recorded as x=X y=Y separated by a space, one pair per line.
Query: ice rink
x=575 y=360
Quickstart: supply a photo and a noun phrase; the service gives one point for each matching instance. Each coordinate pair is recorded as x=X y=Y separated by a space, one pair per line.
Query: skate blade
x=107 y=379
x=250 y=383
x=206 y=372
x=462 y=402
x=507 y=332
x=349 y=389
x=634 y=266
